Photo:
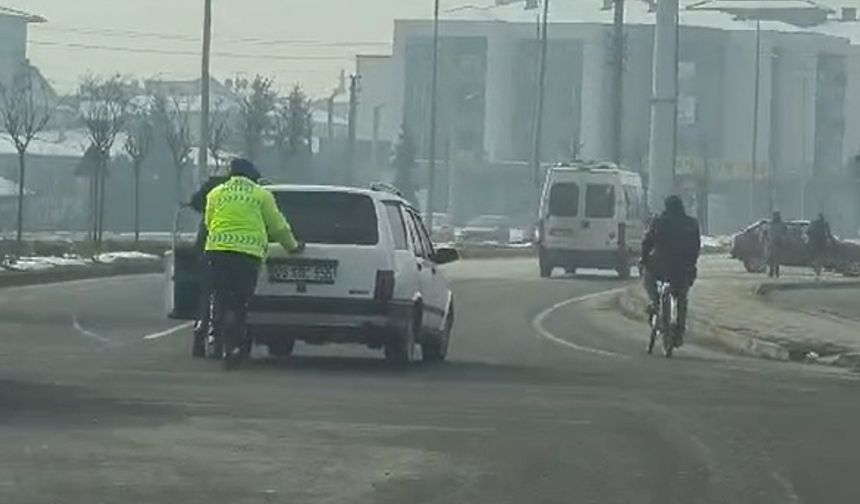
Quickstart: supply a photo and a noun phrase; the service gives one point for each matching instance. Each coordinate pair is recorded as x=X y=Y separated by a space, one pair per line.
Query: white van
x=591 y=216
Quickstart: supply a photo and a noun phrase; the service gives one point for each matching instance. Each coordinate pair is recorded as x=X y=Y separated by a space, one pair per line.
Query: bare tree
x=25 y=111
x=258 y=101
x=293 y=127
x=172 y=118
x=220 y=133
x=138 y=144
x=104 y=110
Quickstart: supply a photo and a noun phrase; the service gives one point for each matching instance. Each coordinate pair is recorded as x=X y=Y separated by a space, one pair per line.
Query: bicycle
x=664 y=320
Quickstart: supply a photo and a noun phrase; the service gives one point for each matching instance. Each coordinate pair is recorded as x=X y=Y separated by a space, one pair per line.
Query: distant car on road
x=748 y=246
x=487 y=228
x=369 y=275
x=443 y=228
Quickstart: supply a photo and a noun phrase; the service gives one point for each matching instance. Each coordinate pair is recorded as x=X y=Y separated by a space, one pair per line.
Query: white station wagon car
x=369 y=275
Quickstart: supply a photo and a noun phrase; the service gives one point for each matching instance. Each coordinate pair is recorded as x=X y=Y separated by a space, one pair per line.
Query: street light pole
x=541 y=92
x=434 y=96
x=754 y=153
x=203 y=155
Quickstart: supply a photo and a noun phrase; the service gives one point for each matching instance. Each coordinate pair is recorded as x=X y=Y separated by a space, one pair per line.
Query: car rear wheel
x=436 y=349
x=623 y=272
x=755 y=265
x=545 y=266
x=281 y=347
x=401 y=348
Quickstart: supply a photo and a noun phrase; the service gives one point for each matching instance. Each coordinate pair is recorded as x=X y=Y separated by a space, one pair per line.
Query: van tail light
x=622 y=236
x=541 y=230
x=384 y=291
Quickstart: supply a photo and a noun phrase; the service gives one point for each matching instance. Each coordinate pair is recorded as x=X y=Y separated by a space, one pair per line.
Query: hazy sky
x=306 y=41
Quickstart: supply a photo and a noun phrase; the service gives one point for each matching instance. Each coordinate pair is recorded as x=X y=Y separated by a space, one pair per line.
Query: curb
x=633 y=306
x=766 y=288
x=493 y=252
x=71 y=273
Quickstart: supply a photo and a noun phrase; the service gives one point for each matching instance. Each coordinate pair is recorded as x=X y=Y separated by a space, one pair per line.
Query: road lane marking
x=89 y=334
x=538 y=324
x=168 y=332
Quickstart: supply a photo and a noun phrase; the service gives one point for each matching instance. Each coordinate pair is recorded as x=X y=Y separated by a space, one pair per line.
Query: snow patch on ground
x=112 y=257
x=45 y=263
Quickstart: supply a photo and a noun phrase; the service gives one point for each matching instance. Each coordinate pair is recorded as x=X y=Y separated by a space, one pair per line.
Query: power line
x=126 y=34
x=168 y=52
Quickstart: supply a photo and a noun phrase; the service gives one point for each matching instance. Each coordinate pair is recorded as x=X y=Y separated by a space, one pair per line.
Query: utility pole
x=661 y=162
x=434 y=98
x=541 y=93
x=754 y=153
x=203 y=154
x=353 y=109
x=618 y=82
x=330 y=123
x=377 y=119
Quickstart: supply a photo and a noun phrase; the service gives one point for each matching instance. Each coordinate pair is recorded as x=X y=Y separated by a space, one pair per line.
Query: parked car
x=487 y=228
x=748 y=246
x=369 y=275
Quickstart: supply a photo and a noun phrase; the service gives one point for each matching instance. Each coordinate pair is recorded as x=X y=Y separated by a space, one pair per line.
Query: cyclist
x=670 y=251
x=198 y=204
x=241 y=216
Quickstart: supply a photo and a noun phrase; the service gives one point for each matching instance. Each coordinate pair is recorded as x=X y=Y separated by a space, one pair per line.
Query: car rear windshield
x=333 y=218
x=564 y=200
x=600 y=201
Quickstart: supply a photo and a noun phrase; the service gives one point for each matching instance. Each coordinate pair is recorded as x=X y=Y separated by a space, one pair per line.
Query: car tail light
x=384 y=286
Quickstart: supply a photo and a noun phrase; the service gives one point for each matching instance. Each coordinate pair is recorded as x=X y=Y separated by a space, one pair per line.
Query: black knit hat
x=243 y=168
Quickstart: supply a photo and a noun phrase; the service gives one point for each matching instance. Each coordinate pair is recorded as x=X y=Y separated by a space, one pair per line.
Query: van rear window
x=600 y=201
x=564 y=199
x=333 y=218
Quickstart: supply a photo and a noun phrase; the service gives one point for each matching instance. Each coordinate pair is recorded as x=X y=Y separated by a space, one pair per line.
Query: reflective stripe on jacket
x=241 y=216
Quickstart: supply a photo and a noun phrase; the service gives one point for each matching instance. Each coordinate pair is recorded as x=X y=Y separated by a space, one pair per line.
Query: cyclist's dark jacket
x=671 y=248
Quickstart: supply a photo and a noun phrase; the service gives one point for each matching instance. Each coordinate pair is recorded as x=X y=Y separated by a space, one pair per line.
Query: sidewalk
x=730 y=308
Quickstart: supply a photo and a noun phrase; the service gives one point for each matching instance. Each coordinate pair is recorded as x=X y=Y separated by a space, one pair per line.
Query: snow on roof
x=30 y=18
x=849 y=30
x=757 y=5
x=71 y=143
x=592 y=12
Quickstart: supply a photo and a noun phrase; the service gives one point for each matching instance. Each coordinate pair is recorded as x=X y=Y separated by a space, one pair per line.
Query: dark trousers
x=681 y=289
x=232 y=280
x=773 y=268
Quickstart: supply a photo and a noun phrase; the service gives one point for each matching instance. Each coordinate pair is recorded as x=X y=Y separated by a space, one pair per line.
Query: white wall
x=376 y=90
x=13 y=46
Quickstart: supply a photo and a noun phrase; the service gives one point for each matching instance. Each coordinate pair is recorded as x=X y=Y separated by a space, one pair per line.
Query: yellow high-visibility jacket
x=241 y=216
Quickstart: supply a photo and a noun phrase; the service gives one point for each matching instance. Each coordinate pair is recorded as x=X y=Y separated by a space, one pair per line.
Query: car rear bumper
x=321 y=320
x=609 y=259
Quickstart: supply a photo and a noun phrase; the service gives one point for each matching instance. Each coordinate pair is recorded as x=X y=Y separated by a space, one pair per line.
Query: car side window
x=424 y=236
x=415 y=237
x=398 y=226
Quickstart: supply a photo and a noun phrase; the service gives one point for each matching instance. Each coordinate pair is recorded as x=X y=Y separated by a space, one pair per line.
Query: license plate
x=308 y=271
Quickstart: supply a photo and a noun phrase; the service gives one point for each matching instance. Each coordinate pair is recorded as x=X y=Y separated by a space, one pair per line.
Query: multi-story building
x=13 y=41
x=809 y=77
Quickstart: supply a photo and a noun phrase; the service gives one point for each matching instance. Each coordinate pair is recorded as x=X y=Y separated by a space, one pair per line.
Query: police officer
x=241 y=216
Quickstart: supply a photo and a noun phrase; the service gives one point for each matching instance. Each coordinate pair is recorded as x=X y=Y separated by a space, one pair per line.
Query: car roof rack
x=385 y=187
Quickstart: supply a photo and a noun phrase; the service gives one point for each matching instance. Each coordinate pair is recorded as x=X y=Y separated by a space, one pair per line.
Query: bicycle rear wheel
x=668 y=331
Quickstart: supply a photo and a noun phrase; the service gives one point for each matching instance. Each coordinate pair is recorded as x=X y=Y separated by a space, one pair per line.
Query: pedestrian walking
x=820 y=243
x=775 y=242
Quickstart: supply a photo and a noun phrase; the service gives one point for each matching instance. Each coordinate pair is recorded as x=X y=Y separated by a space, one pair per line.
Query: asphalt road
x=843 y=302
x=548 y=398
